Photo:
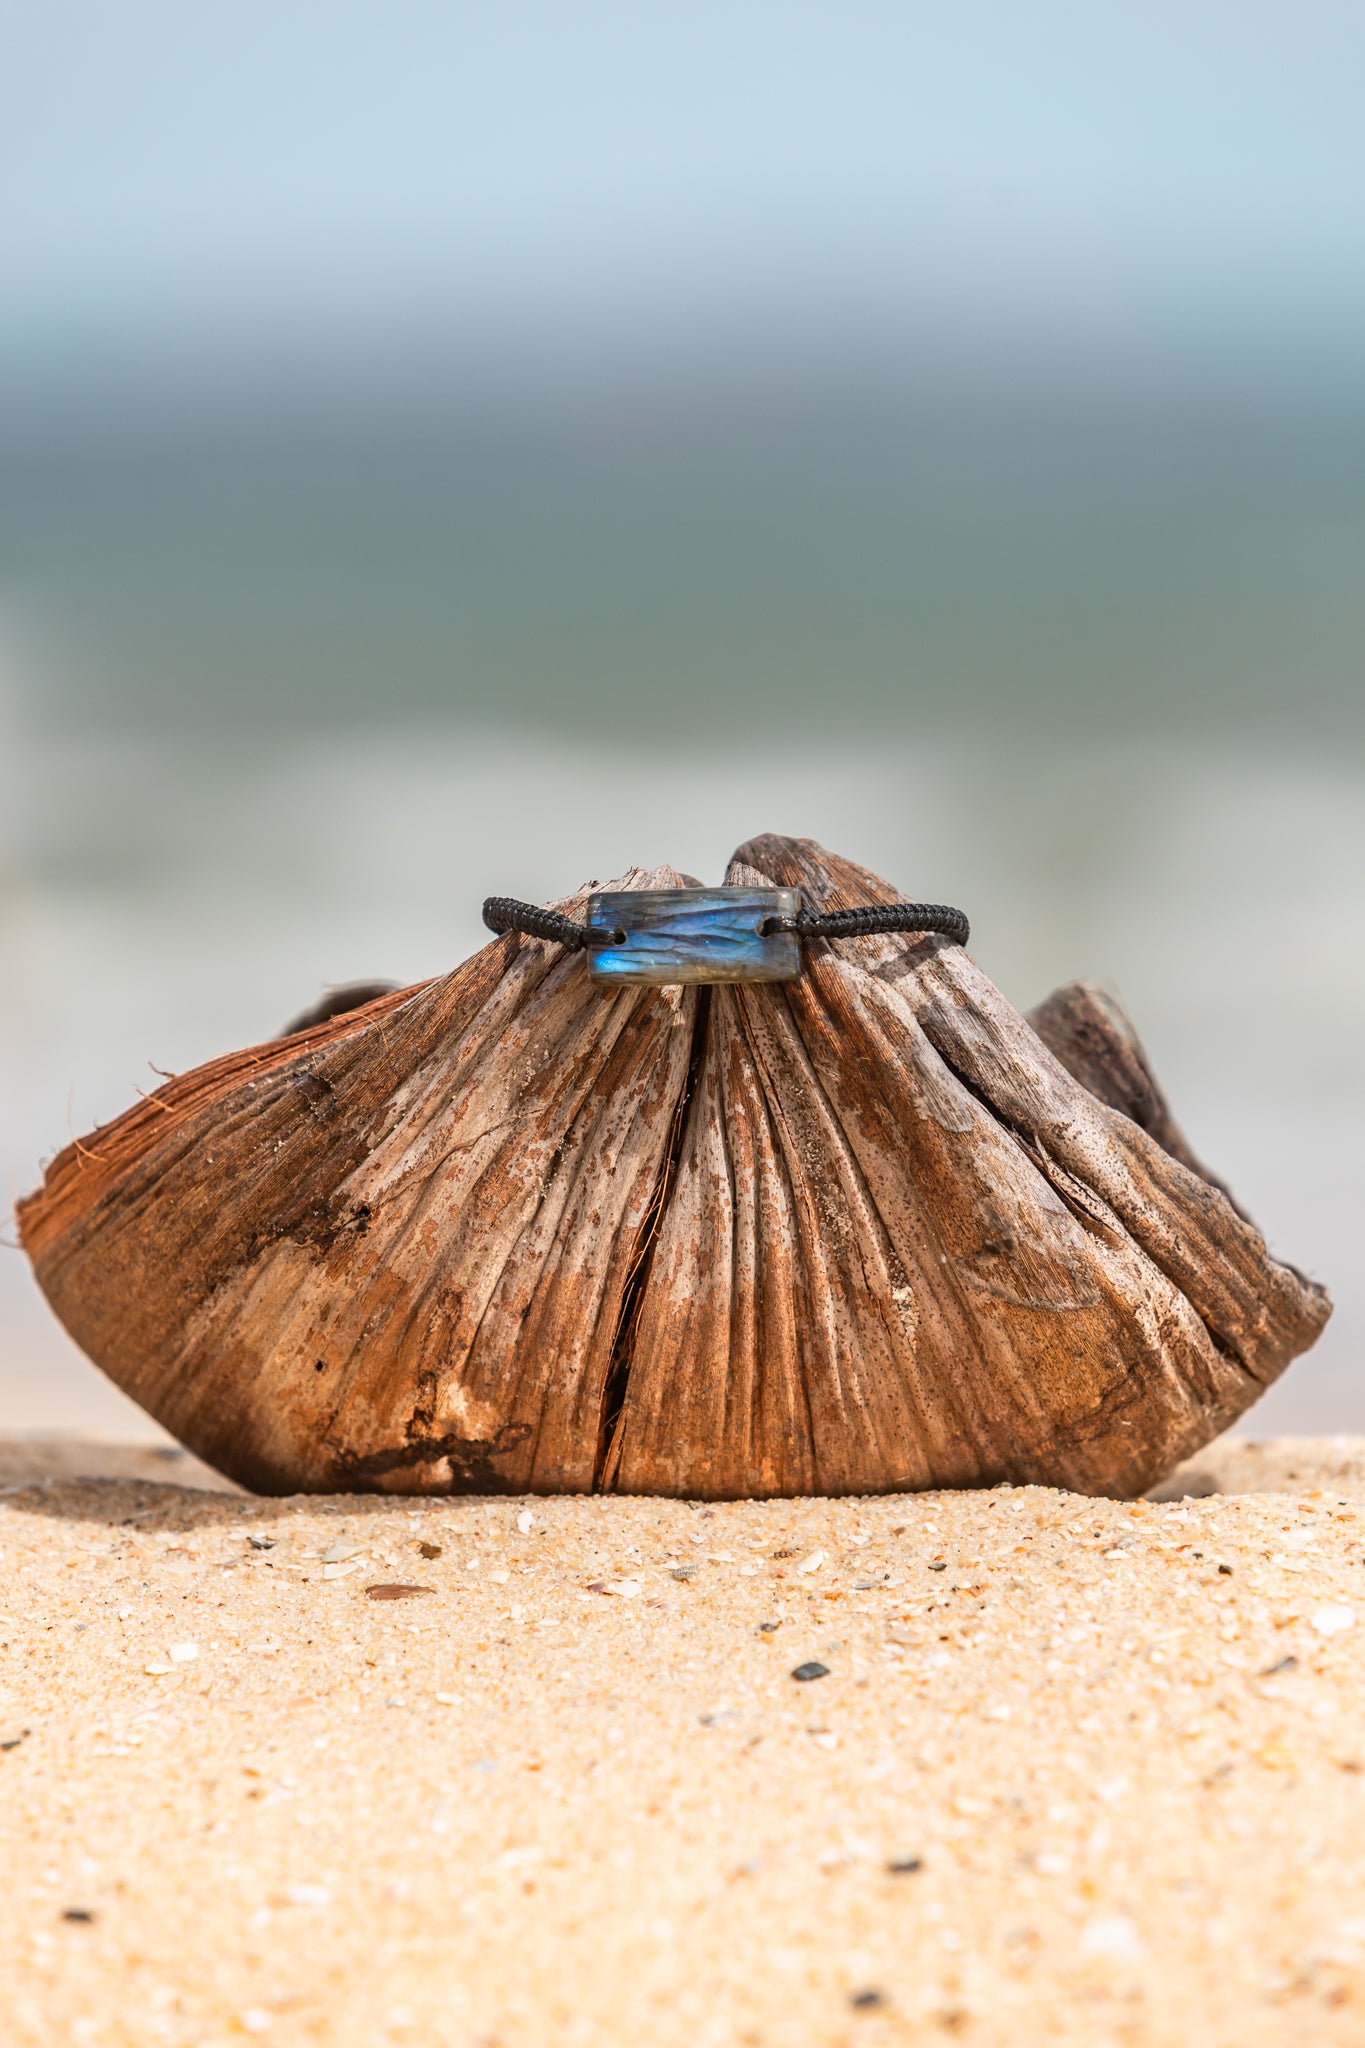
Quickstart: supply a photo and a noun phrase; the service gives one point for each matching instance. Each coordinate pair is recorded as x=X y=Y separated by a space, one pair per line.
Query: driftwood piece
x=862 y=1231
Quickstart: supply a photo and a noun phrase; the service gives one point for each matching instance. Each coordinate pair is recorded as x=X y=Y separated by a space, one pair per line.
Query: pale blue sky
x=195 y=178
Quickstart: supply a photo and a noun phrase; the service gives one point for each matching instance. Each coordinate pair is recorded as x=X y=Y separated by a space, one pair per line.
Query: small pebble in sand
x=1114 y=1937
x=1334 y=1620
x=810 y=1670
x=396 y=1591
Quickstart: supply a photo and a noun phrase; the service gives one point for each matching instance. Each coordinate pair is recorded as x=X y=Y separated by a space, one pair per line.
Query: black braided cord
x=877 y=917
x=505 y=914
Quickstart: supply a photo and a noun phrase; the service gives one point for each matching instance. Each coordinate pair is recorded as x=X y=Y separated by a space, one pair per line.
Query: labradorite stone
x=664 y=936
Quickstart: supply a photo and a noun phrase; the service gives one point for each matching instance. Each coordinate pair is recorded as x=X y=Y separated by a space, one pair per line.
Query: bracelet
x=667 y=936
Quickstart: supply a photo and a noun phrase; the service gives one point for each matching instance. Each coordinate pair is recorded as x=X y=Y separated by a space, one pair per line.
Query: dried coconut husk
x=865 y=1231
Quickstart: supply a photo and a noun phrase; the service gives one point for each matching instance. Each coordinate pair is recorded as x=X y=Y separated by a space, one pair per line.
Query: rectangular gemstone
x=664 y=936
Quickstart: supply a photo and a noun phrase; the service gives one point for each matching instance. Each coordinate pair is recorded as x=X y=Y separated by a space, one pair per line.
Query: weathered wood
x=1093 y=1036
x=391 y=1253
x=775 y=1350
x=1089 y=1308
x=510 y=1229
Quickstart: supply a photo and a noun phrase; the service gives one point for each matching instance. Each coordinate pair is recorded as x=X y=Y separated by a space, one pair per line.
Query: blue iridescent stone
x=665 y=936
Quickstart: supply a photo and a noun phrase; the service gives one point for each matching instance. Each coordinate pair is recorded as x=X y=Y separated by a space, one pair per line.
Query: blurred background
x=448 y=449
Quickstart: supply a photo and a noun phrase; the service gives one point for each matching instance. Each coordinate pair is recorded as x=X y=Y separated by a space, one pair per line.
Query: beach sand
x=1072 y=1771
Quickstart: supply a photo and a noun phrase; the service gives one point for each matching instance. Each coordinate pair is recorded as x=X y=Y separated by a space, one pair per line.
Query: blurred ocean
x=278 y=709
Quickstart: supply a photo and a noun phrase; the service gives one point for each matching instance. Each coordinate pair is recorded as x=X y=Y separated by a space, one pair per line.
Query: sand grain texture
x=1080 y=1771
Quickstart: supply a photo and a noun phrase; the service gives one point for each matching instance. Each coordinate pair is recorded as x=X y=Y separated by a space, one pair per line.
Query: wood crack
x=623 y=1340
